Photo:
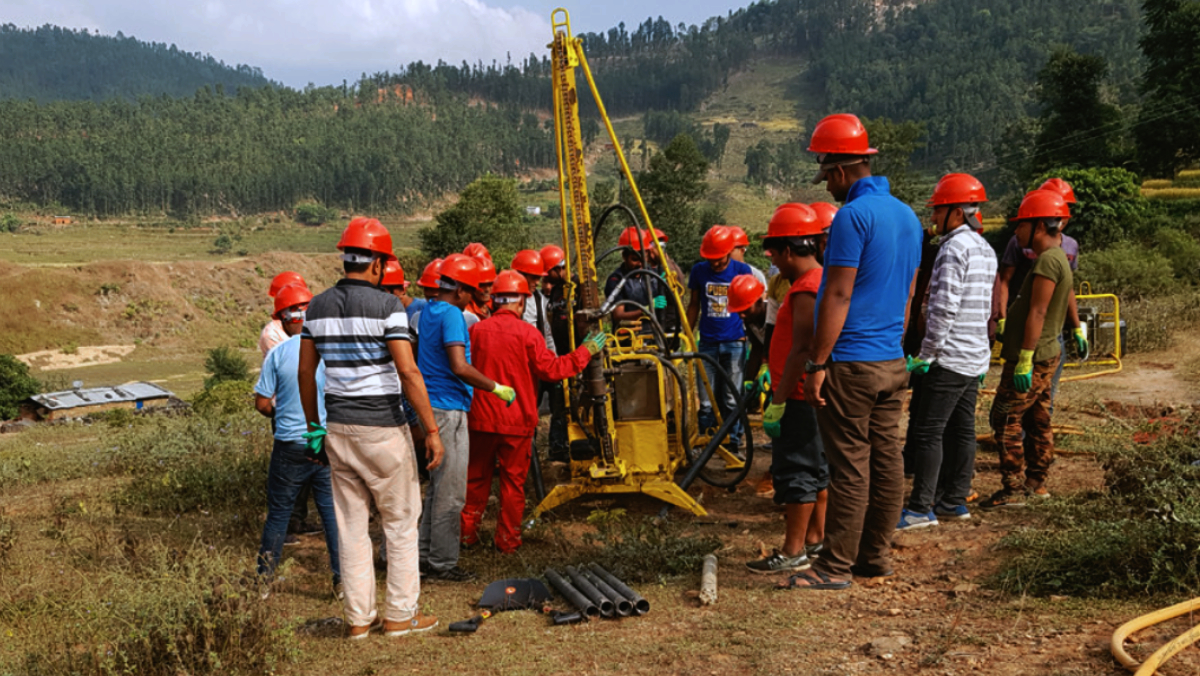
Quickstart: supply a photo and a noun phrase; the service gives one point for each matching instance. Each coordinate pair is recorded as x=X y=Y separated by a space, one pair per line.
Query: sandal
x=814 y=579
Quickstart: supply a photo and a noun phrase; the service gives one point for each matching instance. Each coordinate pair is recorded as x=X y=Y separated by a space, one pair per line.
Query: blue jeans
x=731 y=355
x=290 y=470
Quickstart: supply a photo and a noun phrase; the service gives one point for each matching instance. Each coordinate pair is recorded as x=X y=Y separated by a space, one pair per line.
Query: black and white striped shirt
x=959 y=304
x=350 y=326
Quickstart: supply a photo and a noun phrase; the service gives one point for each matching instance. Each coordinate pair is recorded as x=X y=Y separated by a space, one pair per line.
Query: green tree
x=16 y=385
x=673 y=188
x=1168 y=127
x=488 y=211
x=1109 y=205
x=1078 y=128
x=225 y=364
x=896 y=142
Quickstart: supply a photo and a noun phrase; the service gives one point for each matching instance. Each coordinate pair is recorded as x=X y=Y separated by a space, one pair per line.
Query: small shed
x=81 y=402
x=62 y=220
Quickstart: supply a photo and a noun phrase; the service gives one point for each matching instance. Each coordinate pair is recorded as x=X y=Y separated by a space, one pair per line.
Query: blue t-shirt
x=278 y=379
x=414 y=307
x=443 y=324
x=717 y=323
x=880 y=236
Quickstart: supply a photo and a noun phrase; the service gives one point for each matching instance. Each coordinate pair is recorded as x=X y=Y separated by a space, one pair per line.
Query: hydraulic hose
x=1164 y=653
x=681 y=406
x=726 y=426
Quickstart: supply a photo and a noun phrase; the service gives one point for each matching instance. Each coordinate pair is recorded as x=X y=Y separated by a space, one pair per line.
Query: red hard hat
x=1061 y=187
x=662 y=236
x=632 y=238
x=289 y=296
x=744 y=292
x=739 y=236
x=368 y=234
x=429 y=277
x=1042 y=204
x=957 y=189
x=841 y=134
x=794 y=220
x=283 y=279
x=530 y=262
x=393 y=274
x=510 y=282
x=462 y=269
x=825 y=213
x=477 y=250
x=718 y=242
x=552 y=256
x=487 y=270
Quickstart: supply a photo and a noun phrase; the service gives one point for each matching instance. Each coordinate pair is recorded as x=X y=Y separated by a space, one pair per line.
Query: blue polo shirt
x=279 y=380
x=880 y=236
x=717 y=323
x=443 y=324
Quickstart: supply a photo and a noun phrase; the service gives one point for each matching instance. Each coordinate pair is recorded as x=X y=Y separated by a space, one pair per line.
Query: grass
x=1172 y=193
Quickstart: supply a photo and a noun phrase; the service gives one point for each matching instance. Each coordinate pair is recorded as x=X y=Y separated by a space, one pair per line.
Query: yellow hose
x=1162 y=654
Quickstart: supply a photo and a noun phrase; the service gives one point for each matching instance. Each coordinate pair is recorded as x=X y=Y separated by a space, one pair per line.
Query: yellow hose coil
x=1162 y=654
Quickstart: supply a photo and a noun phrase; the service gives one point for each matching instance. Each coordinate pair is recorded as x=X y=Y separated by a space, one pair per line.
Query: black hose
x=681 y=404
x=726 y=427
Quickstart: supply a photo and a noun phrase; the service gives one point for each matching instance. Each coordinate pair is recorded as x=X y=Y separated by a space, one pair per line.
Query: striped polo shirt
x=350 y=326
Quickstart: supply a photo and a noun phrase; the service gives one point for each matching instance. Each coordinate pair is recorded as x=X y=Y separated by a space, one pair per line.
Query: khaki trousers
x=375 y=463
x=860 y=426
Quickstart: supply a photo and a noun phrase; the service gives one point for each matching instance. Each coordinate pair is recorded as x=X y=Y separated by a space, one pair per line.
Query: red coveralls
x=507 y=349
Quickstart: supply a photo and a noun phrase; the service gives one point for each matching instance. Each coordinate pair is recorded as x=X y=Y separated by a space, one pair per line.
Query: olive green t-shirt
x=1052 y=265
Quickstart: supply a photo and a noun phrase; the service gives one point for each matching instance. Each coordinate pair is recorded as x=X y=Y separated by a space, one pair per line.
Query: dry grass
x=1157 y=183
x=1172 y=194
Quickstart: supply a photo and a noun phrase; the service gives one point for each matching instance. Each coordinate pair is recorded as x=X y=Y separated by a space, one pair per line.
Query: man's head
x=843 y=153
x=651 y=250
x=554 y=260
x=955 y=202
x=825 y=213
x=458 y=283
x=510 y=292
x=746 y=298
x=631 y=259
x=530 y=264
x=395 y=284
x=717 y=247
x=428 y=283
x=487 y=275
x=1040 y=219
x=740 y=243
x=291 y=301
x=793 y=235
x=366 y=248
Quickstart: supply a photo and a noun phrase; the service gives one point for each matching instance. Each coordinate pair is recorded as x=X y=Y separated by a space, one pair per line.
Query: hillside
x=53 y=64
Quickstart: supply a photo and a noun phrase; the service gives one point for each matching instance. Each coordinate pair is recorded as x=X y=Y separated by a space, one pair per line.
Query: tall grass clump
x=645 y=549
x=1140 y=535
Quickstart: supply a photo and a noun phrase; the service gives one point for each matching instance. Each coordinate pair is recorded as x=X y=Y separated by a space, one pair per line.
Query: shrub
x=1131 y=271
x=1110 y=205
x=1152 y=322
x=645 y=549
x=223 y=244
x=1182 y=250
x=224 y=398
x=9 y=223
x=16 y=385
x=312 y=213
x=224 y=363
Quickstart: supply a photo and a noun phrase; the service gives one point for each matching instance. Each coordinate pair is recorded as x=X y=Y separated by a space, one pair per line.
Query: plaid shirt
x=959 y=304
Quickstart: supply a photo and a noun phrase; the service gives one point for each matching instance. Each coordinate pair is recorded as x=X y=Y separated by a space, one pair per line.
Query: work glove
x=982 y=377
x=1081 y=343
x=507 y=394
x=762 y=380
x=594 y=342
x=917 y=365
x=1000 y=330
x=1023 y=375
x=314 y=444
x=660 y=302
x=771 y=418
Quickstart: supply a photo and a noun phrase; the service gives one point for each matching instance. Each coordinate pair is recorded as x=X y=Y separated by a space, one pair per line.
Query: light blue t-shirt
x=443 y=324
x=880 y=236
x=278 y=379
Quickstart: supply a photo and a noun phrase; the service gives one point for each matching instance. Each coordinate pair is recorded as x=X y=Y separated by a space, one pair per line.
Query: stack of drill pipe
x=640 y=605
x=624 y=606
x=571 y=594
x=605 y=604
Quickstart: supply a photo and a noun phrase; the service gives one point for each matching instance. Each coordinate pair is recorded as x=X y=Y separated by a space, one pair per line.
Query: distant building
x=80 y=402
x=533 y=211
x=62 y=220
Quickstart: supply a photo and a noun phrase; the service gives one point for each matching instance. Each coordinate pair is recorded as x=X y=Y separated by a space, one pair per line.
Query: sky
x=298 y=42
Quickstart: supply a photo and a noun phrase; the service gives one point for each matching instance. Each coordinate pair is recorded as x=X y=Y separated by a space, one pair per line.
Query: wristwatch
x=810 y=367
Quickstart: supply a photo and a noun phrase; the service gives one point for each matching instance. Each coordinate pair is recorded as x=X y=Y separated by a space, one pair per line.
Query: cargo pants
x=1016 y=414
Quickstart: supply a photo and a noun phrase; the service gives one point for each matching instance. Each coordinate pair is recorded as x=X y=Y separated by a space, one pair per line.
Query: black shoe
x=453 y=574
x=308 y=527
x=291 y=539
x=866 y=571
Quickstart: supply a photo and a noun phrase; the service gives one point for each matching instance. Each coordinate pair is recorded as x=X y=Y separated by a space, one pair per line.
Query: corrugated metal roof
x=57 y=401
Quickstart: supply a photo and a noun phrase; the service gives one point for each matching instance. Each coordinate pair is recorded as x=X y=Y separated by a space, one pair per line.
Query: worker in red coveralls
x=505 y=346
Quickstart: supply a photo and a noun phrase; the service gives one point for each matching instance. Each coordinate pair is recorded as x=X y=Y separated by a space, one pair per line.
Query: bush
x=225 y=363
x=10 y=223
x=223 y=244
x=311 y=213
x=1152 y=322
x=1110 y=205
x=1182 y=250
x=1131 y=271
x=224 y=398
x=16 y=385
x=488 y=211
x=645 y=549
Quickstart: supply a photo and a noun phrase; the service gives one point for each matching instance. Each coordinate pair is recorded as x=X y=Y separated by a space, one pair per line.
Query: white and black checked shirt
x=960 y=303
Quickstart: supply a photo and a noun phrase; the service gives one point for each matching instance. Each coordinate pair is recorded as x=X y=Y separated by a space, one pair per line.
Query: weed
x=1156 y=183
x=1130 y=271
x=1172 y=194
x=70 y=348
x=108 y=289
x=8 y=537
x=659 y=547
x=1152 y=322
x=225 y=364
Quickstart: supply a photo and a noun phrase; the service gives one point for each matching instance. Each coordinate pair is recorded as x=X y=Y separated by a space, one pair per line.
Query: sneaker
x=1040 y=492
x=363 y=631
x=1005 y=497
x=765 y=487
x=452 y=574
x=972 y=497
x=778 y=562
x=415 y=625
x=291 y=539
x=339 y=591
x=308 y=527
x=958 y=512
x=814 y=551
x=910 y=520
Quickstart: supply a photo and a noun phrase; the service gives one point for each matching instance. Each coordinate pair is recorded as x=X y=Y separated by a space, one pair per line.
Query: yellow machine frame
x=636 y=452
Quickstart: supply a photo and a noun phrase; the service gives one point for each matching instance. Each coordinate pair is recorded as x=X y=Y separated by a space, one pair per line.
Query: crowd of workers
x=368 y=386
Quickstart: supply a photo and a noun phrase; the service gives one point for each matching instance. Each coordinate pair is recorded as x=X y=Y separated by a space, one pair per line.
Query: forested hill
x=52 y=64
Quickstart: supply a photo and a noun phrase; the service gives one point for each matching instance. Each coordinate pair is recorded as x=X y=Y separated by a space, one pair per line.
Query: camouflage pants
x=1014 y=412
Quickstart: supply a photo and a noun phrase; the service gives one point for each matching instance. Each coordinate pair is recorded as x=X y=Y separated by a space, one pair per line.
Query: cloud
x=302 y=41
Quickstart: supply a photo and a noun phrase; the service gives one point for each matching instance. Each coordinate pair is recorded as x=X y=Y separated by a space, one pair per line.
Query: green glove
x=314 y=444
x=771 y=418
x=507 y=394
x=1023 y=375
x=595 y=341
x=660 y=302
x=764 y=378
x=982 y=377
x=999 y=328
x=917 y=365
x=1081 y=343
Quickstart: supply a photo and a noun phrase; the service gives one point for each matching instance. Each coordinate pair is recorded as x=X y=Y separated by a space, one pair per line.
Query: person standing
x=554 y=287
x=480 y=307
x=361 y=335
x=721 y=334
x=537 y=312
x=741 y=244
x=510 y=349
x=952 y=357
x=1022 y=407
x=856 y=375
x=277 y=396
